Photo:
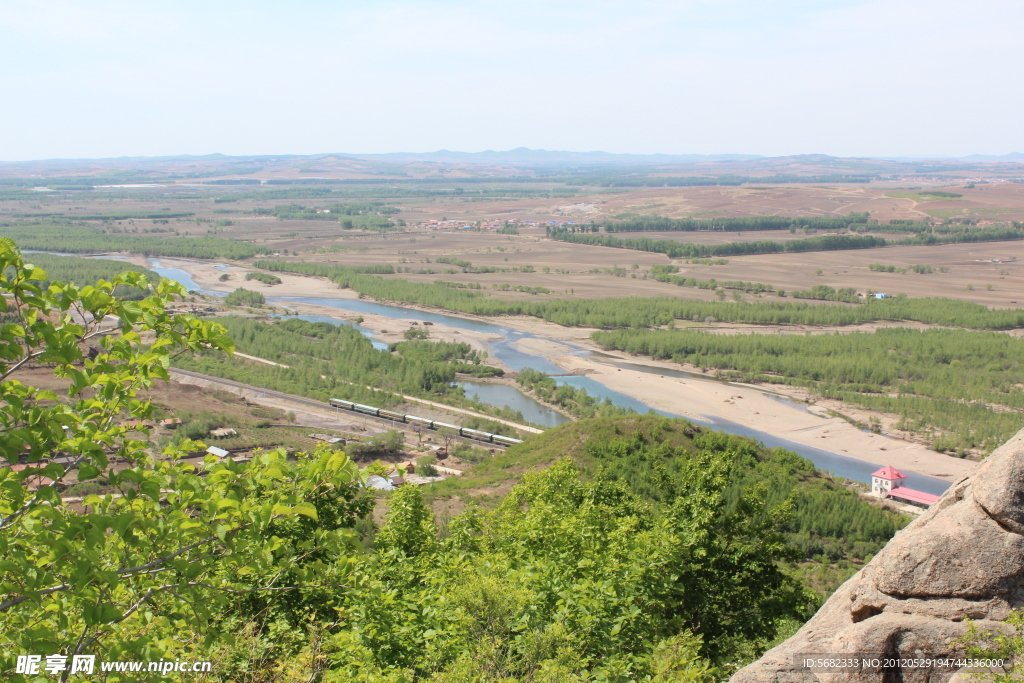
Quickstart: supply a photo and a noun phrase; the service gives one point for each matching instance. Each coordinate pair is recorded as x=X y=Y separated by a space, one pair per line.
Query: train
x=465 y=432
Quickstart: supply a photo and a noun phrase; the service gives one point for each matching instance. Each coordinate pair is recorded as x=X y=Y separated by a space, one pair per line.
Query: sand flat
x=697 y=398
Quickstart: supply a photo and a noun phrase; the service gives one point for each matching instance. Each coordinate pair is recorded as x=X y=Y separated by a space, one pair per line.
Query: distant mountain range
x=524 y=155
x=520 y=162
x=1011 y=157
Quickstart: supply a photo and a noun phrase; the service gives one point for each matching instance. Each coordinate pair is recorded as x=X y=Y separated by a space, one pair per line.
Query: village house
x=888 y=483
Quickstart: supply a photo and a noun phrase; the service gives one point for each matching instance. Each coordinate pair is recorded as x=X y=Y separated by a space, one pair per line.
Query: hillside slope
x=836 y=530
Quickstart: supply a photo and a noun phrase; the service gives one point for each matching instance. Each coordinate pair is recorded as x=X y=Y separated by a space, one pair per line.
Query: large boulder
x=962 y=559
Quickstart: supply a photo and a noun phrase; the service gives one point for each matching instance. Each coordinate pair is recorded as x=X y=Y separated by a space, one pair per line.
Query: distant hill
x=522 y=162
x=1013 y=156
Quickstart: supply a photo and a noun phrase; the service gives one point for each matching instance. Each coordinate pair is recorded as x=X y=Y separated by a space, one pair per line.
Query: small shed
x=219 y=452
x=222 y=433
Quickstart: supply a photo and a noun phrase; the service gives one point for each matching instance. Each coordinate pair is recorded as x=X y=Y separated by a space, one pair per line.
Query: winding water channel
x=503 y=347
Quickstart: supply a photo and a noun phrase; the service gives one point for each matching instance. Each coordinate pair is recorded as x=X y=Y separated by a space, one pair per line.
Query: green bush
x=245 y=297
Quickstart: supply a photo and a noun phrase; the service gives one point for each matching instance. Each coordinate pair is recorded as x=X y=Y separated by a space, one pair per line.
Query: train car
x=420 y=421
x=476 y=434
x=464 y=432
x=369 y=410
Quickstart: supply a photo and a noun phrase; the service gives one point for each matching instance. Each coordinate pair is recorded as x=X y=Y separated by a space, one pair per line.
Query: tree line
x=117 y=216
x=666 y=274
x=364 y=216
x=826 y=293
x=83 y=239
x=265 y=278
x=673 y=249
x=658 y=311
x=961 y=389
x=744 y=224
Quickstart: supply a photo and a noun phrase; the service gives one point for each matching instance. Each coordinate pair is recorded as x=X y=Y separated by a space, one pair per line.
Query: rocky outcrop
x=962 y=559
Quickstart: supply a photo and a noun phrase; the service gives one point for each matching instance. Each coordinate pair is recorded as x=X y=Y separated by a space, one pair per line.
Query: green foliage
x=521 y=288
x=665 y=274
x=454 y=261
x=1005 y=644
x=674 y=249
x=461 y=356
x=155 y=216
x=66 y=237
x=140 y=574
x=265 y=278
x=245 y=297
x=826 y=293
x=752 y=223
x=881 y=268
x=577 y=402
x=567 y=580
x=458 y=285
x=325 y=361
x=962 y=389
x=386 y=444
x=354 y=215
x=654 y=536
x=85 y=271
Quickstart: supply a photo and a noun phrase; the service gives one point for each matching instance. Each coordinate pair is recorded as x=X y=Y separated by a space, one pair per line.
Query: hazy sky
x=103 y=78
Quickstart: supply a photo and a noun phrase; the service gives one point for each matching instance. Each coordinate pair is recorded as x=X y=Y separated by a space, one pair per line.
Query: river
x=504 y=349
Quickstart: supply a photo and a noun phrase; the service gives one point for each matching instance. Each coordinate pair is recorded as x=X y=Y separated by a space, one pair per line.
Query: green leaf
x=307 y=509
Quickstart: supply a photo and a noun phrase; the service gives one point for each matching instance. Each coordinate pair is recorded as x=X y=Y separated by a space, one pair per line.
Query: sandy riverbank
x=692 y=397
x=750 y=407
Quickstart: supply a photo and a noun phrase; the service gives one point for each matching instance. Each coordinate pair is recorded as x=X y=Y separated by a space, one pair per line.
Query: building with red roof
x=888 y=483
x=885 y=480
x=905 y=495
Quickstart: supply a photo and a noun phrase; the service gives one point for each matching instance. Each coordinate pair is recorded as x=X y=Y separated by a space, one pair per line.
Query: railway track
x=249 y=387
x=327 y=407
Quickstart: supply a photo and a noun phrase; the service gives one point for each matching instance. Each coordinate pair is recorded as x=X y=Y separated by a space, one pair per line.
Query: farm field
x=571 y=267
x=575 y=271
